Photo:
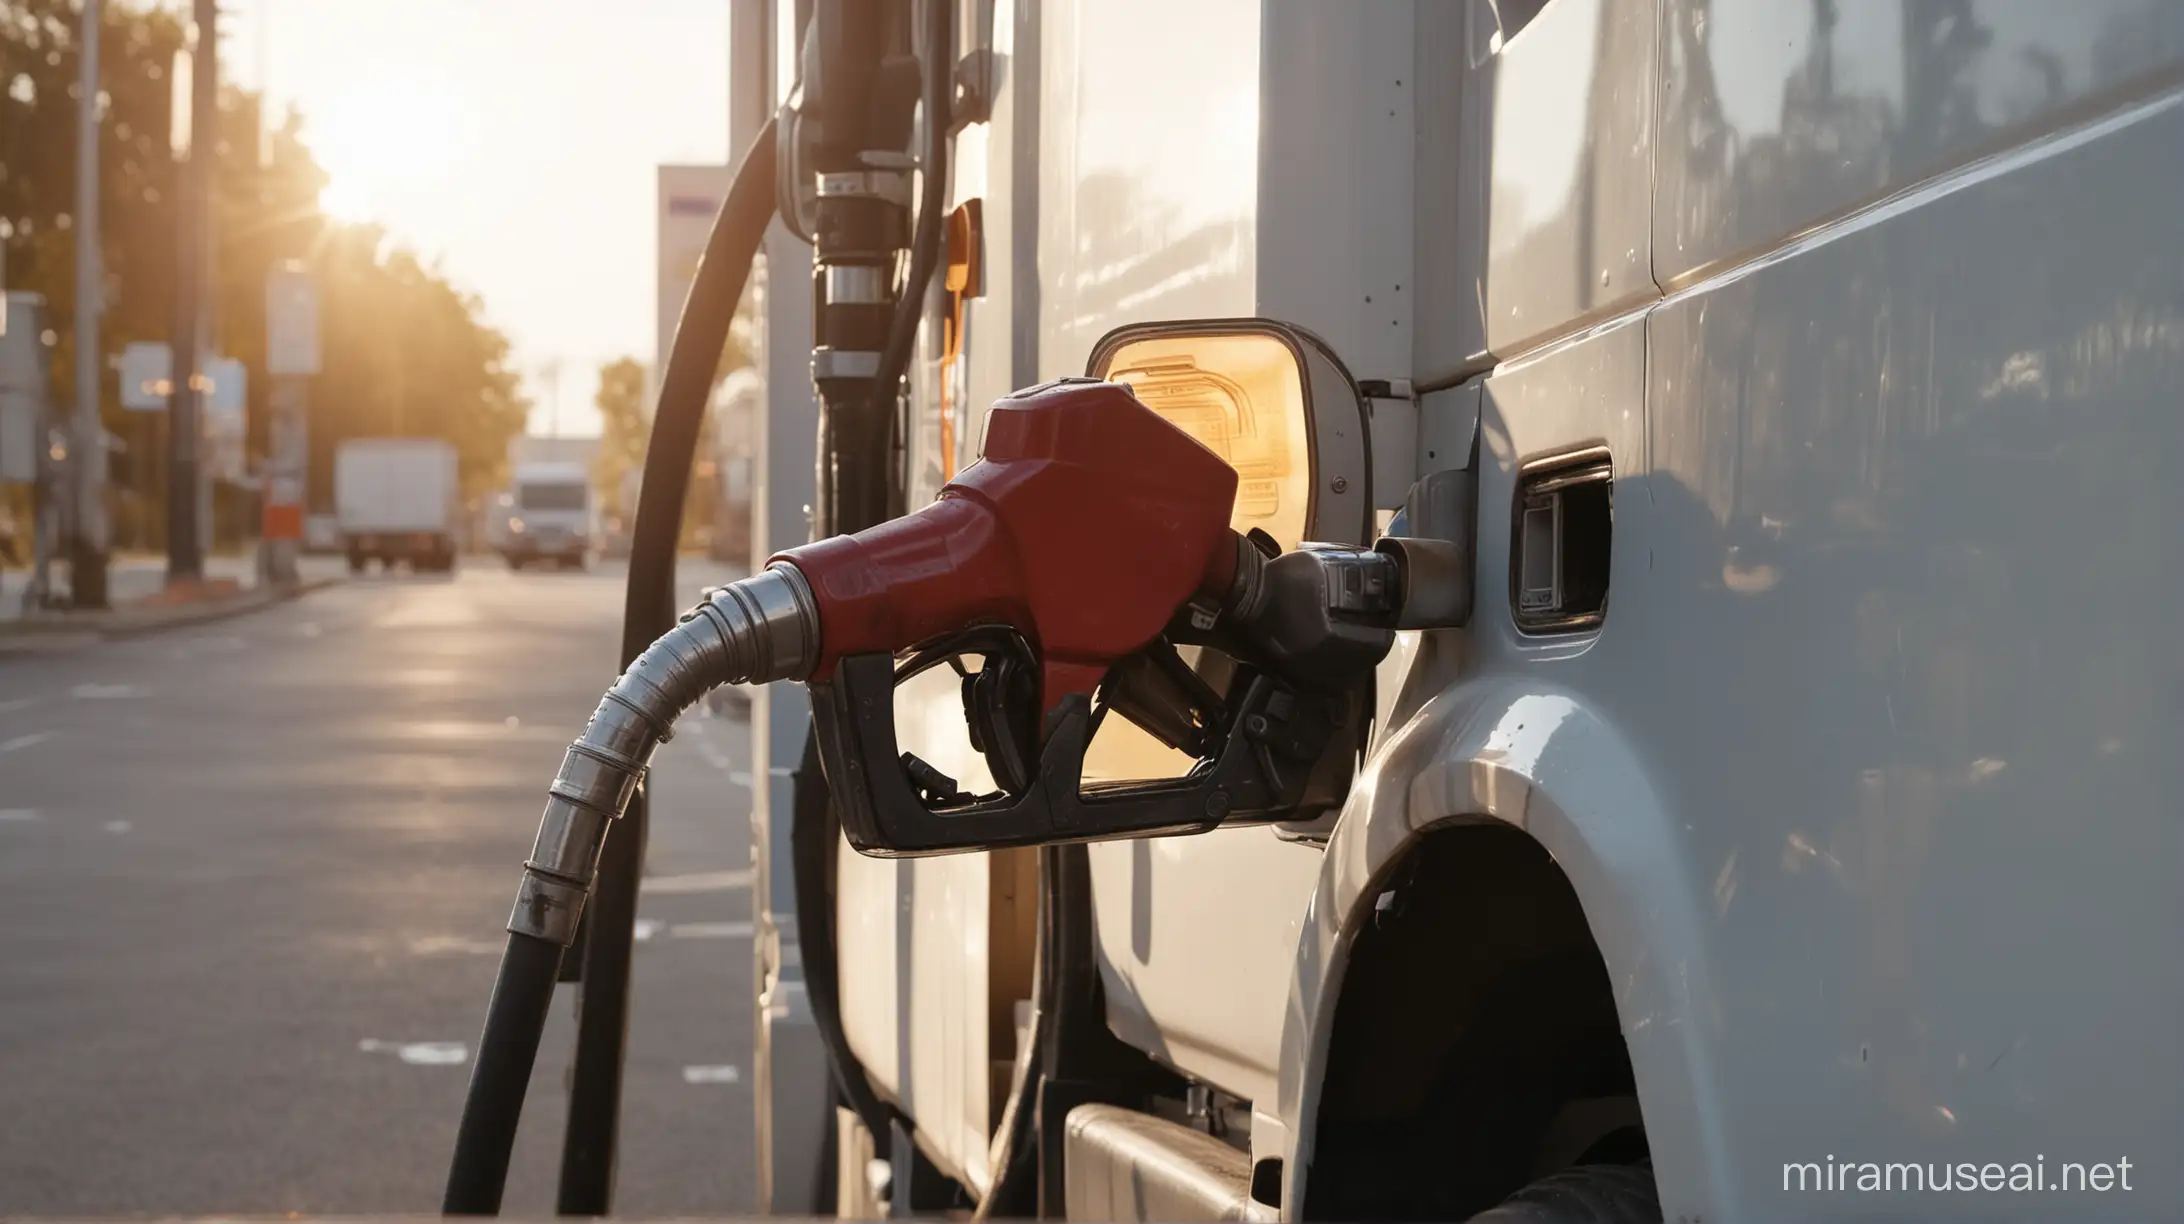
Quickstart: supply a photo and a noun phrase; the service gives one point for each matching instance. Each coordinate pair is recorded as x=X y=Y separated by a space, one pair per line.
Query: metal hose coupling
x=763 y=628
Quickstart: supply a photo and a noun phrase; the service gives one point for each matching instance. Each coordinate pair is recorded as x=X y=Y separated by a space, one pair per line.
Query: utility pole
x=549 y=373
x=87 y=557
x=185 y=469
x=291 y=358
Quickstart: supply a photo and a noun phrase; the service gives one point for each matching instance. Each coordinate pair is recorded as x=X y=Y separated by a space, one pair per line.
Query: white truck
x=397 y=500
x=553 y=516
x=1792 y=831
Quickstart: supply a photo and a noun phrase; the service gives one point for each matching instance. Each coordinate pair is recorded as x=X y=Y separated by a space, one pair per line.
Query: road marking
x=18 y=815
x=105 y=692
x=118 y=826
x=423 y=608
x=309 y=629
x=696 y=882
x=25 y=741
x=710 y=930
x=454 y=945
x=645 y=929
x=719 y=1073
x=419 y=1053
x=17 y=703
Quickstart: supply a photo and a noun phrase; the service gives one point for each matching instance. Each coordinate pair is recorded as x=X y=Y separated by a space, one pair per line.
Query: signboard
x=689 y=197
x=146 y=367
x=147 y=372
x=24 y=392
x=225 y=419
x=291 y=323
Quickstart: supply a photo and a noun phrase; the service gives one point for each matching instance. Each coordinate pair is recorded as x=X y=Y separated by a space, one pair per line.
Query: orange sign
x=281 y=522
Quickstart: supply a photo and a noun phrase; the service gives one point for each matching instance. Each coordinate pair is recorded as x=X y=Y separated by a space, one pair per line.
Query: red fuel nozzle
x=1088 y=523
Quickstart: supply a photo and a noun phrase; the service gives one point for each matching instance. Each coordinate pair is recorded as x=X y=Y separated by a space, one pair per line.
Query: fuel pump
x=1073 y=564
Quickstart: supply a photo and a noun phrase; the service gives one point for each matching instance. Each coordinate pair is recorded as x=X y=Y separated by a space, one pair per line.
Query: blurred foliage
x=404 y=351
x=625 y=419
x=625 y=427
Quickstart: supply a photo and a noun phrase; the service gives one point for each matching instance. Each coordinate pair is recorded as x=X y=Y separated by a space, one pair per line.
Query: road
x=253 y=877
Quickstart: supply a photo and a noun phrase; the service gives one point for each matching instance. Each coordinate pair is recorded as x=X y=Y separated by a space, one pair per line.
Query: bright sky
x=514 y=139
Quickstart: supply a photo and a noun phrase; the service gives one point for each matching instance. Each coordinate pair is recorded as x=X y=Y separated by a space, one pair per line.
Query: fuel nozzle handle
x=1087 y=523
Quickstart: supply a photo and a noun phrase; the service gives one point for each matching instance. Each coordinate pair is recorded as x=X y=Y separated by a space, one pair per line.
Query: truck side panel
x=1919 y=469
x=1867 y=782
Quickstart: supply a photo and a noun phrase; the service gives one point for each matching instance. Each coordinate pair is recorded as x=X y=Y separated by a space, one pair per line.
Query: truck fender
x=1541 y=759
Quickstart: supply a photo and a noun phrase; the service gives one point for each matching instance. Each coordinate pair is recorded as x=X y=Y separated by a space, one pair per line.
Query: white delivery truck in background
x=397 y=499
x=554 y=515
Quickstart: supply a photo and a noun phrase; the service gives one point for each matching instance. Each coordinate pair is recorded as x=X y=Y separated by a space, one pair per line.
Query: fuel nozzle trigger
x=1255 y=760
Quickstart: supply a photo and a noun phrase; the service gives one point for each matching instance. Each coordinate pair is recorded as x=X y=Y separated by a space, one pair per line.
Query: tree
x=403 y=348
x=406 y=354
x=625 y=417
x=625 y=420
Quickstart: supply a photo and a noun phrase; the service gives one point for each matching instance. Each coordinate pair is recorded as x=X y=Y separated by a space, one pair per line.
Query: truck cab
x=1799 y=383
x=552 y=516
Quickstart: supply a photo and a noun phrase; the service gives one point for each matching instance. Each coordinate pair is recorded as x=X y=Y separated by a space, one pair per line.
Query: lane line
x=105 y=692
x=25 y=741
x=715 y=757
x=711 y=930
x=12 y=704
x=696 y=882
x=18 y=815
x=718 y=1073
x=419 y=1053
x=454 y=945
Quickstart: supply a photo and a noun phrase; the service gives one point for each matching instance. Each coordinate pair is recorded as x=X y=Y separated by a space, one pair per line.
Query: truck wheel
x=357 y=562
x=1587 y=1194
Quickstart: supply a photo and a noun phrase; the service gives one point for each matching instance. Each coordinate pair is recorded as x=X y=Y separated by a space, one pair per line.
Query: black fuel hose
x=522 y=994
x=856 y=494
x=516 y=1016
x=937 y=99
x=649 y=610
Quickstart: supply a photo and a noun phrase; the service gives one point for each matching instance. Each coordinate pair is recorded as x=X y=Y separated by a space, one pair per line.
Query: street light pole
x=87 y=557
x=185 y=539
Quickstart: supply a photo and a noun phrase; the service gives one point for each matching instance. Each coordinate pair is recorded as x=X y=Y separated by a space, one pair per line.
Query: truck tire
x=1586 y=1194
x=357 y=562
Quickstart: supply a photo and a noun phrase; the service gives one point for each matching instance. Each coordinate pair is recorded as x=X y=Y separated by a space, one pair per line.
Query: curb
x=53 y=637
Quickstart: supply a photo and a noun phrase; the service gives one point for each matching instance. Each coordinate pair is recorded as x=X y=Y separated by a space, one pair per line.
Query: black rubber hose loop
x=516 y=1016
x=648 y=611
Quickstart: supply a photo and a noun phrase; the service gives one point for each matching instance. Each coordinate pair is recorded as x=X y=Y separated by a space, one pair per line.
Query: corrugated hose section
x=760 y=629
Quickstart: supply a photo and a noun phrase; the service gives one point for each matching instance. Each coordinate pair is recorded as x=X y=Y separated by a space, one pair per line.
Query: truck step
x=1126 y=1165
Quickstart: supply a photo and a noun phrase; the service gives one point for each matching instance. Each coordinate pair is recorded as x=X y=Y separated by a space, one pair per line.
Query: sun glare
x=391 y=136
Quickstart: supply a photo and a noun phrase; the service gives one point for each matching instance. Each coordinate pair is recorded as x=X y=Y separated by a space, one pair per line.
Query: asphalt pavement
x=253 y=876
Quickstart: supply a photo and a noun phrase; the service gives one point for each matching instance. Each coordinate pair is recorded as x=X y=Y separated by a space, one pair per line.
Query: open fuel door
x=1178 y=738
x=1272 y=401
